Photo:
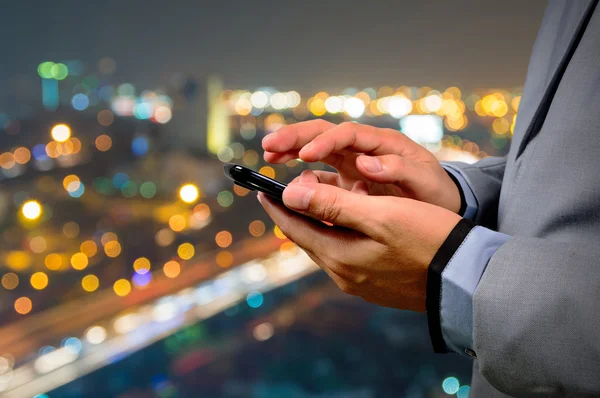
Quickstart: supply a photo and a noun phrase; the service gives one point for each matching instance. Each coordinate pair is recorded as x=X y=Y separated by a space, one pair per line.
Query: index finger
x=295 y=136
x=358 y=138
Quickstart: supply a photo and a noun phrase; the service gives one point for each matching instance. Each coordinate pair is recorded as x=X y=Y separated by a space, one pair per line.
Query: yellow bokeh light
x=89 y=248
x=23 y=305
x=32 y=210
x=186 y=251
x=71 y=183
x=267 y=171
x=223 y=239
x=112 y=249
x=122 y=287
x=172 y=269
x=10 y=281
x=515 y=102
x=316 y=106
x=18 y=260
x=224 y=259
x=141 y=265
x=53 y=261
x=278 y=233
x=288 y=249
x=79 y=261
x=39 y=280
x=90 y=283
x=240 y=191
x=501 y=126
x=177 y=223
x=250 y=157
x=60 y=132
x=256 y=228
x=189 y=193
x=108 y=237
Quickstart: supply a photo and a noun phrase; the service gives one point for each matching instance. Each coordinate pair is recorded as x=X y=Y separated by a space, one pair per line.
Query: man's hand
x=378 y=248
x=388 y=162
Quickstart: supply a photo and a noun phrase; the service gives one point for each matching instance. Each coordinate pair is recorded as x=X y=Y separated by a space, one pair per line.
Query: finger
x=338 y=206
x=295 y=136
x=312 y=235
x=360 y=188
x=280 y=157
x=307 y=177
x=357 y=138
x=387 y=169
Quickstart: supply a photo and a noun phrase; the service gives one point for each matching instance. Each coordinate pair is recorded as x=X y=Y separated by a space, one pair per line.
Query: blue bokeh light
x=80 y=102
x=140 y=146
x=255 y=299
x=142 y=279
x=450 y=385
x=78 y=192
x=120 y=179
x=463 y=392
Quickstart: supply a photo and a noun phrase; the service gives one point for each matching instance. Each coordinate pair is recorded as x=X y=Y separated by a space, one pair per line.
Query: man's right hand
x=387 y=161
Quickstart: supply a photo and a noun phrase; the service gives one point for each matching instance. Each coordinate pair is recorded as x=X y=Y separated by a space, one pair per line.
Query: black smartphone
x=250 y=179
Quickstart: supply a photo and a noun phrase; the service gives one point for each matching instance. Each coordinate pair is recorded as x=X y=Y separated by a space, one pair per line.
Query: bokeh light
x=79 y=261
x=32 y=210
x=141 y=265
x=450 y=385
x=257 y=228
x=60 y=133
x=189 y=193
x=223 y=239
x=224 y=259
x=171 y=269
x=39 y=280
x=112 y=249
x=23 y=305
x=10 y=281
x=185 y=251
x=122 y=287
x=90 y=283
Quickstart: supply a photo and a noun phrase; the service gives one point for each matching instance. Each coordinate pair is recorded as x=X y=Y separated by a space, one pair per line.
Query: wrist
x=457 y=202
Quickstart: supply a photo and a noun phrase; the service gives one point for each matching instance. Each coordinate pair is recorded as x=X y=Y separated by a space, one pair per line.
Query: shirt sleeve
x=471 y=205
x=459 y=280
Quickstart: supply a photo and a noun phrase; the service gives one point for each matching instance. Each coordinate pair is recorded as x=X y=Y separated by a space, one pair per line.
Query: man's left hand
x=378 y=248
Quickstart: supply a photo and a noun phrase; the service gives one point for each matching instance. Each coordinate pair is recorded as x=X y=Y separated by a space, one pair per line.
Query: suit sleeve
x=485 y=180
x=536 y=319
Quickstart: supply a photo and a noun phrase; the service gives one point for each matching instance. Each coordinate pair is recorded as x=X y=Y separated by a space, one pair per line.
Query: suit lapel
x=562 y=27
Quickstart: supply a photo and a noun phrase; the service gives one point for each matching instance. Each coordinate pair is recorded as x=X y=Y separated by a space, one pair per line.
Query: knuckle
x=330 y=209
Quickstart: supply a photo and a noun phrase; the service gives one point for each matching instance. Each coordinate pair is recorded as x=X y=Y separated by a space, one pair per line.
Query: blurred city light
x=189 y=193
x=60 y=133
x=32 y=210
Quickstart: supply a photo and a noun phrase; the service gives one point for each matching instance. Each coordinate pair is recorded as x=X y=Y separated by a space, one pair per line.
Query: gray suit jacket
x=536 y=315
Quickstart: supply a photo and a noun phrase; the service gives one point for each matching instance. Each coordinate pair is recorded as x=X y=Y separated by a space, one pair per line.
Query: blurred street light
x=189 y=193
x=61 y=132
x=31 y=209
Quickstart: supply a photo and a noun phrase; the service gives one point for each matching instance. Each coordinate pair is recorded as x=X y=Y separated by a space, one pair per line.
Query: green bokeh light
x=225 y=198
x=148 y=189
x=45 y=70
x=59 y=71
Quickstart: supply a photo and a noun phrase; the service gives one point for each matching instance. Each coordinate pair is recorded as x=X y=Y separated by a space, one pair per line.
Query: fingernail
x=373 y=165
x=259 y=198
x=307 y=148
x=298 y=196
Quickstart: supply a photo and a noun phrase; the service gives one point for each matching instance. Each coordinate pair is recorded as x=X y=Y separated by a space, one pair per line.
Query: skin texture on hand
x=386 y=162
x=375 y=247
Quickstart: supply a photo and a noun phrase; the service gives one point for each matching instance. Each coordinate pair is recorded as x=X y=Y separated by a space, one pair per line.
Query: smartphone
x=250 y=179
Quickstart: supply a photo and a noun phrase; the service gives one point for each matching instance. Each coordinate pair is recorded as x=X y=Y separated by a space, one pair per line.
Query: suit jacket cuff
x=434 y=281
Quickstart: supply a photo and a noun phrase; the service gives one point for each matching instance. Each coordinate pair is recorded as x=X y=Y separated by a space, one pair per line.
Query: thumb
x=335 y=205
x=386 y=169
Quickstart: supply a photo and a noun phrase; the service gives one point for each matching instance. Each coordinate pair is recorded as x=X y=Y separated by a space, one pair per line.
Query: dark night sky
x=305 y=45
